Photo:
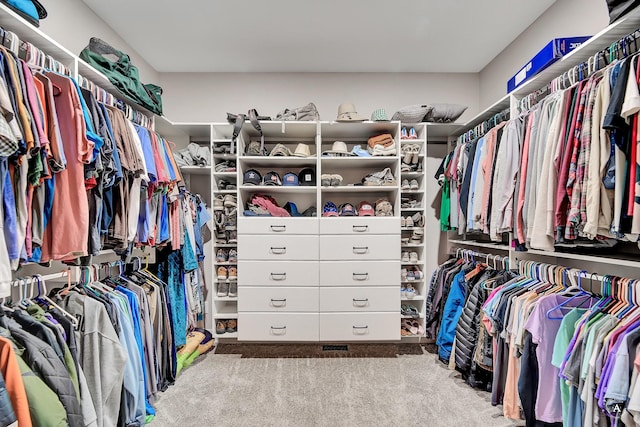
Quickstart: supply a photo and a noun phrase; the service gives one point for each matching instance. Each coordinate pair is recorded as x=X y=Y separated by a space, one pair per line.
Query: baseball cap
x=347 y=209
x=329 y=209
x=311 y=211
x=290 y=179
x=307 y=177
x=252 y=177
x=366 y=209
x=292 y=209
x=272 y=178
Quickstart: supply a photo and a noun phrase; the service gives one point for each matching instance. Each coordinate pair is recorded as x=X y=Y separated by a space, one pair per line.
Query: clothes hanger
x=563 y=304
x=42 y=295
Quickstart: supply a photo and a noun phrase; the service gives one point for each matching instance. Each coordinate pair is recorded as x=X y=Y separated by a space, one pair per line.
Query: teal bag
x=122 y=74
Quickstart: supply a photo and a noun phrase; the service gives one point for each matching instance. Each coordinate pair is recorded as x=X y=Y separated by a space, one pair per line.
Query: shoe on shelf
x=413 y=185
x=218 y=203
x=221 y=255
x=417 y=273
x=408 y=223
x=403 y=274
x=407 y=153
x=403 y=291
x=416 y=237
x=230 y=201
x=233 y=273
x=405 y=184
x=410 y=277
x=231 y=221
x=233 y=255
x=325 y=180
x=232 y=326
x=411 y=292
x=418 y=219
x=223 y=289
x=404 y=134
x=413 y=257
x=415 y=155
x=413 y=134
x=405 y=257
x=403 y=222
x=221 y=327
x=232 y=236
x=222 y=273
x=233 y=289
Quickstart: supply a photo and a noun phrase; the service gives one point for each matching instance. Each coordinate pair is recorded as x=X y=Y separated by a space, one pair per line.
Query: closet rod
x=481 y=129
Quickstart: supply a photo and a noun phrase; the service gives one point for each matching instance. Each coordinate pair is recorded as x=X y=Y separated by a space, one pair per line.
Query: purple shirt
x=543 y=332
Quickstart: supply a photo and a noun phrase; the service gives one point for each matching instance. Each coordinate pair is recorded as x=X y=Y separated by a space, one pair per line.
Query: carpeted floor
x=346 y=389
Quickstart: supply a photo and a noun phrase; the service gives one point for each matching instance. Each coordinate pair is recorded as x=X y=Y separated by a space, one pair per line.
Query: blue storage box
x=549 y=54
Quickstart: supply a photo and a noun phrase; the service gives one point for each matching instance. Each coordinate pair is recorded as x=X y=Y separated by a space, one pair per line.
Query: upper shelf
x=614 y=32
x=11 y=21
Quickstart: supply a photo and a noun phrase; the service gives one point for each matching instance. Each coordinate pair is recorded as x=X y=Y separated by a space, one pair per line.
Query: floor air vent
x=335 y=348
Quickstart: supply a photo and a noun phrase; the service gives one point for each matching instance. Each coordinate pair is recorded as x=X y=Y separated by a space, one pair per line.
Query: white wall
x=209 y=96
x=72 y=23
x=564 y=19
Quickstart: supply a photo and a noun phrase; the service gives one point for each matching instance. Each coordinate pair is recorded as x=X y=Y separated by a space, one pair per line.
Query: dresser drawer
x=341 y=248
x=278 y=327
x=359 y=327
x=360 y=225
x=272 y=273
x=360 y=299
x=249 y=225
x=359 y=273
x=278 y=299
x=274 y=248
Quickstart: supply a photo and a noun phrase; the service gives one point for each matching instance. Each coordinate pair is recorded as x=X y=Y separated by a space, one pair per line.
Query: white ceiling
x=319 y=35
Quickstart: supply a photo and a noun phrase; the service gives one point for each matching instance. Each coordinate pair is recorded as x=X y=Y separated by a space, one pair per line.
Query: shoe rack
x=225 y=240
x=413 y=283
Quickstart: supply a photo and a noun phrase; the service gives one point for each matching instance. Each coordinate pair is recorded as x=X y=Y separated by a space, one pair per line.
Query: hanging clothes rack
x=484 y=127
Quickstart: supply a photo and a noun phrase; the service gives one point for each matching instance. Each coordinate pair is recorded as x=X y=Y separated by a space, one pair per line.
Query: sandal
x=406 y=323
x=415 y=155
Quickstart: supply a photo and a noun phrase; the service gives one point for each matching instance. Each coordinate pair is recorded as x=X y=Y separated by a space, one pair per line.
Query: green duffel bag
x=122 y=74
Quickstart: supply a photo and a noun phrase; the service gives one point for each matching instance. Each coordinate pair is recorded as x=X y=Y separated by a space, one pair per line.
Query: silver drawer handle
x=279 y=276
x=360 y=330
x=278 y=228
x=278 y=330
x=361 y=276
x=280 y=302
x=360 y=250
x=278 y=250
x=360 y=302
x=360 y=228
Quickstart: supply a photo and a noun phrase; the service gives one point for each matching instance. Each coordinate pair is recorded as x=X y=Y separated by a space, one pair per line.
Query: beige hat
x=339 y=147
x=302 y=150
x=347 y=113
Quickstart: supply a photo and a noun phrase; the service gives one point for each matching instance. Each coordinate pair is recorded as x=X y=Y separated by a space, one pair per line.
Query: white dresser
x=359 y=270
x=278 y=294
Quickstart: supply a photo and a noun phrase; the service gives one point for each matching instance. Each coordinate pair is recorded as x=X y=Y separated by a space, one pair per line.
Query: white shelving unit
x=412 y=168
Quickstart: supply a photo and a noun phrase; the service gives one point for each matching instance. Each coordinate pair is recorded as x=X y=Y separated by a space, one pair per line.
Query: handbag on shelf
x=31 y=10
x=123 y=74
x=307 y=113
x=237 y=120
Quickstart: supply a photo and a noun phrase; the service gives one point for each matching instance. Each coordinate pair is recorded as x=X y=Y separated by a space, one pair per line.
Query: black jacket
x=44 y=361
